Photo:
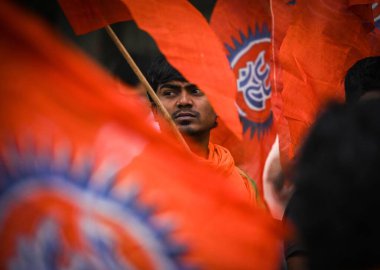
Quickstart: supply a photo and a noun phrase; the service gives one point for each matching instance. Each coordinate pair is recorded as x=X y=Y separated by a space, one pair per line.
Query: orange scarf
x=221 y=159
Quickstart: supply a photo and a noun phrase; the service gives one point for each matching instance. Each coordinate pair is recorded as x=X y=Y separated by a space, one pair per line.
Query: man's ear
x=155 y=112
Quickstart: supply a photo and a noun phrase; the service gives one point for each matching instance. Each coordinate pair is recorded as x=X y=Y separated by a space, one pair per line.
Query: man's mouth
x=185 y=115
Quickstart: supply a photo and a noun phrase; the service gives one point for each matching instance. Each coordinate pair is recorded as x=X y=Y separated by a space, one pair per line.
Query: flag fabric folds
x=83 y=184
x=244 y=27
x=314 y=55
x=283 y=13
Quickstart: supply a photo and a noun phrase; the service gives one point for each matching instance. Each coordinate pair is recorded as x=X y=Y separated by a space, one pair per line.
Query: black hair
x=337 y=183
x=160 y=71
x=362 y=77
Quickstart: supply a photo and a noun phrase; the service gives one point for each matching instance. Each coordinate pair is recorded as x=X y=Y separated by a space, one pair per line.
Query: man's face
x=188 y=107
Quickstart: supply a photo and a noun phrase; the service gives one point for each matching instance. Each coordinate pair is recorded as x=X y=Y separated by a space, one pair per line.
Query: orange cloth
x=89 y=15
x=221 y=159
x=315 y=54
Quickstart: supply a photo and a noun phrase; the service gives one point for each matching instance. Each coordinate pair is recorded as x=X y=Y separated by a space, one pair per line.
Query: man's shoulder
x=220 y=147
x=252 y=187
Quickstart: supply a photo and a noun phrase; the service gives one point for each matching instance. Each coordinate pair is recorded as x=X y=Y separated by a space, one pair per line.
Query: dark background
x=99 y=46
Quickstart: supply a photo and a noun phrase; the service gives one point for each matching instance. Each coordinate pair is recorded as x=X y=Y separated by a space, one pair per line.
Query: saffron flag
x=89 y=15
x=82 y=181
x=283 y=12
x=314 y=56
x=189 y=44
x=244 y=27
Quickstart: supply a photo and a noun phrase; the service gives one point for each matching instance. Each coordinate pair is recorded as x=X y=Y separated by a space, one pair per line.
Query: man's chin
x=187 y=130
x=193 y=129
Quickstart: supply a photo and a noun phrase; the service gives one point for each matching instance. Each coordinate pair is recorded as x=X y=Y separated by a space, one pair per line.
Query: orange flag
x=283 y=12
x=244 y=27
x=82 y=180
x=89 y=15
x=314 y=56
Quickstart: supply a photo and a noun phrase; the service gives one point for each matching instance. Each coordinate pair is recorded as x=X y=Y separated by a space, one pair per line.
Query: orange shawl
x=221 y=159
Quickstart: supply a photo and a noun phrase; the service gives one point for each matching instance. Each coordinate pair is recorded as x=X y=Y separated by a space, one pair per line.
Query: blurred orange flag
x=82 y=180
x=314 y=56
x=244 y=27
x=189 y=44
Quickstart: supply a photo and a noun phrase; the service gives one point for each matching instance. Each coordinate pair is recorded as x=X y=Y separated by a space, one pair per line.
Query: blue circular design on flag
x=55 y=217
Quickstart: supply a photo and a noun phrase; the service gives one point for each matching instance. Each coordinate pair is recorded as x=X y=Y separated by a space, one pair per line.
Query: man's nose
x=184 y=100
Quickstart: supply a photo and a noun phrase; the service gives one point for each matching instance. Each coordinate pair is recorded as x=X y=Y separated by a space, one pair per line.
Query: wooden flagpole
x=146 y=84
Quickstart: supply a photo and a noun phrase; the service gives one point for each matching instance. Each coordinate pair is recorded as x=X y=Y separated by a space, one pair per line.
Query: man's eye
x=196 y=91
x=168 y=93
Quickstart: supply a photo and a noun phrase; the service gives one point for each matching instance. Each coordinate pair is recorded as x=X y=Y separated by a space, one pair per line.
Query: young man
x=194 y=116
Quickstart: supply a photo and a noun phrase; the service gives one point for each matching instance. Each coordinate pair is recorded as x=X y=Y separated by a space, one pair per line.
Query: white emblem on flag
x=254 y=83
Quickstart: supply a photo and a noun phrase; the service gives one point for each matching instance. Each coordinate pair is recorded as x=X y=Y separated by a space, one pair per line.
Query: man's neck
x=198 y=144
